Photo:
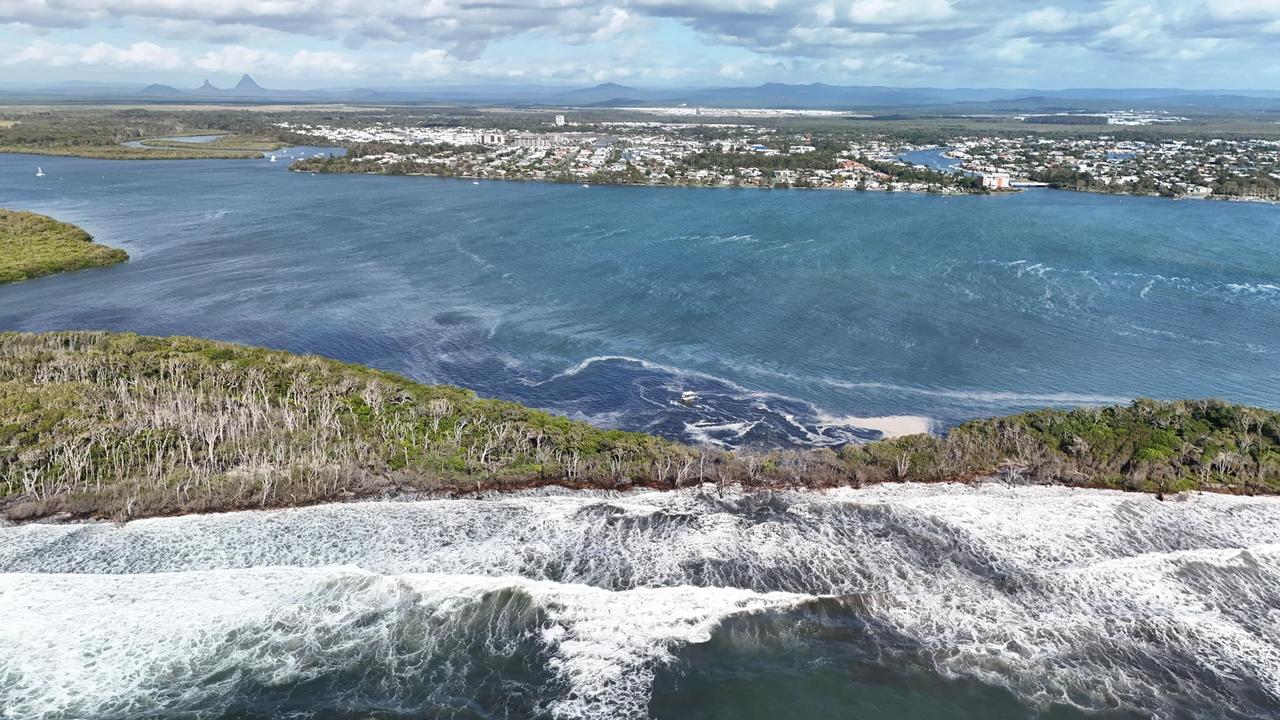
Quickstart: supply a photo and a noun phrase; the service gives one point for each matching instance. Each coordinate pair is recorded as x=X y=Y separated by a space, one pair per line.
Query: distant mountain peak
x=158 y=89
x=207 y=86
x=247 y=83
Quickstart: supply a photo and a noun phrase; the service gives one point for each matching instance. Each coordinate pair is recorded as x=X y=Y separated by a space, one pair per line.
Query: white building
x=493 y=138
x=541 y=142
x=995 y=181
x=559 y=121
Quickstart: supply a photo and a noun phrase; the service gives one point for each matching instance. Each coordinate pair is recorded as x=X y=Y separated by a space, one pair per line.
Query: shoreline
x=544 y=181
x=134 y=154
x=160 y=153
x=503 y=491
x=33 y=246
x=1013 y=191
x=87 y=430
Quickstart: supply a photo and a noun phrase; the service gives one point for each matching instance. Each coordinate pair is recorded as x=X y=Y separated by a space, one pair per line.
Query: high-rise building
x=559 y=121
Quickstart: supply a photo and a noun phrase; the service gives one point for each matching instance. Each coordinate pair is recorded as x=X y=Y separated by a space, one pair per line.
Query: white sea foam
x=812 y=431
x=120 y=636
x=1096 y=598
x=1119 y=280
x=889 y=426
x=989 y=397
x=708 y=433
x=646 y=364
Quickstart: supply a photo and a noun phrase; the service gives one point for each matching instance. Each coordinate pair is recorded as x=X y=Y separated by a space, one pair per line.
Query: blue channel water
x=810 y=317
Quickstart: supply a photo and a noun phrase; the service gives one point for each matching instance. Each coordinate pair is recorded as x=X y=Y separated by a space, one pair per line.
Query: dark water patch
x=454 y=317
x=826 y=659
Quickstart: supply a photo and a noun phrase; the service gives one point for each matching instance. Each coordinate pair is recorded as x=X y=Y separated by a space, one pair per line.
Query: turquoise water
x=797 y=316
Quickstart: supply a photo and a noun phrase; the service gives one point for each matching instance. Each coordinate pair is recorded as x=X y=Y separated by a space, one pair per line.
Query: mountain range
x=811 y=96
x=246 y=88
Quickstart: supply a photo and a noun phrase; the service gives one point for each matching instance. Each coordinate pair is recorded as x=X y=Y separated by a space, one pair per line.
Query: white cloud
x=1046 y=21
x=892 y=39
x=237 y=59
x=893 y=12
x=233 y=59
x=139 y=55
x=611 y=22
x=429 y=64
x=309 y=62
x=1245 y=10
x=1015 y=51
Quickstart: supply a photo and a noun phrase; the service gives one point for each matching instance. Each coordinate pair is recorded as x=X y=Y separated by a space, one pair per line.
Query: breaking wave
x=1018 y=601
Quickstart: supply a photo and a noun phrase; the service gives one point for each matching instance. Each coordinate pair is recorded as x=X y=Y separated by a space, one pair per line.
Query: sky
x=645 y=43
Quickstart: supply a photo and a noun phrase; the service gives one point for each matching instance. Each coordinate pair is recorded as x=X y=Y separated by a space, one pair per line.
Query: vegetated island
x=34 y=245
x=107 y=136
x=103 y=425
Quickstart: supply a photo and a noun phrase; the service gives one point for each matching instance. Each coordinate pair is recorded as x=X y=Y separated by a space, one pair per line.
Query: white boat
x=585 y=185
x=475 y=182
x=688 y=397
x=273 y=158
x=39 y=172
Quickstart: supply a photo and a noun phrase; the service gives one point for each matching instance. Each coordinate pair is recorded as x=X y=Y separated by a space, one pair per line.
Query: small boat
x=273 y=158
x=688 y=397
x=475 y=182
x=585 y=185
x=39 y=172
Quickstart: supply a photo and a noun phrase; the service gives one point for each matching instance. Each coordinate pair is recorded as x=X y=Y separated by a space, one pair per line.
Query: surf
x=596 y=605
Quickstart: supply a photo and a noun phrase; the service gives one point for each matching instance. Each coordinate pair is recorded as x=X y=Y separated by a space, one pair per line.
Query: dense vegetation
x=1262 y=186
x=33 y=245
x=1066 y=120
x=119 y=425
x=918 y=174
x=102 y=134
x=254 y=144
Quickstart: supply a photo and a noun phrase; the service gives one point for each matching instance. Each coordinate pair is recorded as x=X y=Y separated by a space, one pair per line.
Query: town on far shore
x=1113 y=152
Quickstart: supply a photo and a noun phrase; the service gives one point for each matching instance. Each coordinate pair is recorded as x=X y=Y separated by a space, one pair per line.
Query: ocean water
x=799 y=317
x=899 y=601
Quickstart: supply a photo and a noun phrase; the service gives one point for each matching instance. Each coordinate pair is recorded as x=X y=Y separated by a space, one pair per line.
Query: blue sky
x=385 y=43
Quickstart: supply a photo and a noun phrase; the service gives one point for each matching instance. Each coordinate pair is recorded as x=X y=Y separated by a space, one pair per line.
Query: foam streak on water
x=558 y=605
x=796 y=318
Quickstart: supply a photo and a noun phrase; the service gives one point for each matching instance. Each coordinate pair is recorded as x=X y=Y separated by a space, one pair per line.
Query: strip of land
x=106 y=134
x=102 y=425
x=33 y=245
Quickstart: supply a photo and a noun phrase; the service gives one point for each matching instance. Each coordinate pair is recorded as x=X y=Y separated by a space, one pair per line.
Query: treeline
x=103 y=133
x=1261 y=185
x=365 y=158
x=33 y=246
x=820 y=159
x=916 y=174
x=119 y=425
x=1068 y=178
x=1066 y=120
